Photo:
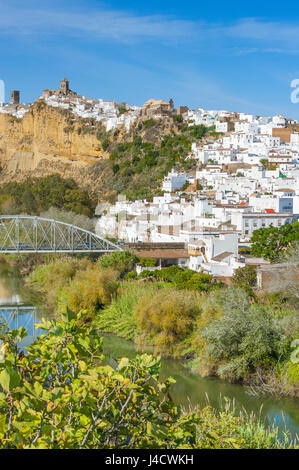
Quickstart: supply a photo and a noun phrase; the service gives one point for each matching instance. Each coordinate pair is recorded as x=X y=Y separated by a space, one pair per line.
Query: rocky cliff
x=47 y=140
x=50 y=140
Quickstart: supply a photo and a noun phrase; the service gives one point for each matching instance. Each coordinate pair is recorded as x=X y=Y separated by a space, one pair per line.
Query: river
x=189 y=388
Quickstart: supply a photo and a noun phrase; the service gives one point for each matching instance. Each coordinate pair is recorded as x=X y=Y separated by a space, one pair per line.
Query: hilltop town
x=242 y=174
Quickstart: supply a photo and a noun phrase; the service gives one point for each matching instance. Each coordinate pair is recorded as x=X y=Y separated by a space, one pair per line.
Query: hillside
x=50 y=140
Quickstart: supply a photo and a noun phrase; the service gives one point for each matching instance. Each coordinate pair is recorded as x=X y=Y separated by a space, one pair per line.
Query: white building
x=215 y=253
x=174 y=180
x=247 y=222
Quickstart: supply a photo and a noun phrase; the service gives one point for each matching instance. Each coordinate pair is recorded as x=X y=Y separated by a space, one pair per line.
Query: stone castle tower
x=15 y=97
x=64 y=86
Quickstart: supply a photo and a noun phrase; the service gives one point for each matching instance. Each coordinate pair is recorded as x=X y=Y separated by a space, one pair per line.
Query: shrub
x=39 y=194
x=119 y=317
x=90 y=289
x=121 y=261
x=245 y=277
x=183 y=278
x=167 y=318
x=49 y=279
x=130 y=275
x=62 y=396
x=105 y=144
x=147 y=262
x=243 y=338
x=148 y=123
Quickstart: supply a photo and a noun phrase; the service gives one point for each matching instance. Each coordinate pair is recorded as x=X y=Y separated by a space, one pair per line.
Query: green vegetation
x=183 y=278
x=73 y=282
x=118 y=317
x=273 y=242
x=138 y=164
x=122 y=261
x=244 y=337
x=35 y=195
x=147 y=262
x=61 y=395
x=167 y=318
x=245 y=278
x=227 y=332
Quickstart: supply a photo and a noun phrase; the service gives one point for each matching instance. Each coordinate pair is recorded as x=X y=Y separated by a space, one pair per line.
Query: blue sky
x=218 y=55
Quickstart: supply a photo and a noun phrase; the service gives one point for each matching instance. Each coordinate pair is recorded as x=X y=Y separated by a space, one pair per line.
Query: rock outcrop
x=47 y=140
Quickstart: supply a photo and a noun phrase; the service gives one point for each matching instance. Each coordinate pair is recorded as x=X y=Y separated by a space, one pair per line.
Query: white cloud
x=101 y=23
x=248 y=35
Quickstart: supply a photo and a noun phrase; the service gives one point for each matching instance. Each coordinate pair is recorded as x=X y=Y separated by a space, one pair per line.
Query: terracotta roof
x=285 y=190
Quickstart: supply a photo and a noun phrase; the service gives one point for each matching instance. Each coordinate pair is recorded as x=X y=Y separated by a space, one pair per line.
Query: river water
x=18 y=308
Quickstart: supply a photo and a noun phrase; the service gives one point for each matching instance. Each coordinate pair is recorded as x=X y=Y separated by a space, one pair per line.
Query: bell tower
x=15 y=97
x=64 y=86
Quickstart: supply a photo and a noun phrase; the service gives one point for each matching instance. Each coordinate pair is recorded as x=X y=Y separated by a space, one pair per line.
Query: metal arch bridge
x=29 y=234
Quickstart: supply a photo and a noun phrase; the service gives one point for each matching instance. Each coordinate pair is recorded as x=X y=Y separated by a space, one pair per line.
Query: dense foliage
x=167 y=318
x=228 y=332
x=182 y=278
x=245 y=276
x=137 y=165
x=70 y=217
x=122 y=261
x=61 y=395
x=272 y=242
x=77 y=283
x=35 y=195
x=245 y=337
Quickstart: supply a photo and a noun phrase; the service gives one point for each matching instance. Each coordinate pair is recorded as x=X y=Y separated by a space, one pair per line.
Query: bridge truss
x=29 y=234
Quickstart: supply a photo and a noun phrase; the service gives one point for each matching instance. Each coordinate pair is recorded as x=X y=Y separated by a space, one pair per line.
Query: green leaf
x=5 y=379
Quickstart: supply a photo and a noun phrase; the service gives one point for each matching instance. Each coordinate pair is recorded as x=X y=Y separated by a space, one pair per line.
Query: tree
x=197 y=132
x=70 y=217
x=61 y=395
x=245 y=276
x=288 y=277
x=90 y=289
x=264 y=163
x=245 y=337
x=121 y=261
x=35 y=195
x=105 y=144
x=147 y=262
x=271 y=242
x=178 y=118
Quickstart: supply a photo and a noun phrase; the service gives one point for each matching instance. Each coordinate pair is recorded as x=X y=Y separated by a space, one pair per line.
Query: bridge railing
x=29 y=234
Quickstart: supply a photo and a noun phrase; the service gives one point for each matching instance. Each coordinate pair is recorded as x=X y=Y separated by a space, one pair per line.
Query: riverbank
x=189 y=389
x=222 y=332
x=193 y=390
x=87 y=403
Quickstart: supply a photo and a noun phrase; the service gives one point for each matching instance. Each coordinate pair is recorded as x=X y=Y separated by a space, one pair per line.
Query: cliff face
x=50 y=140
x=47 y=140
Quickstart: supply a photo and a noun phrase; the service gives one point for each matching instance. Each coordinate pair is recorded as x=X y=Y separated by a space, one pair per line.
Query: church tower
x=64 y=86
